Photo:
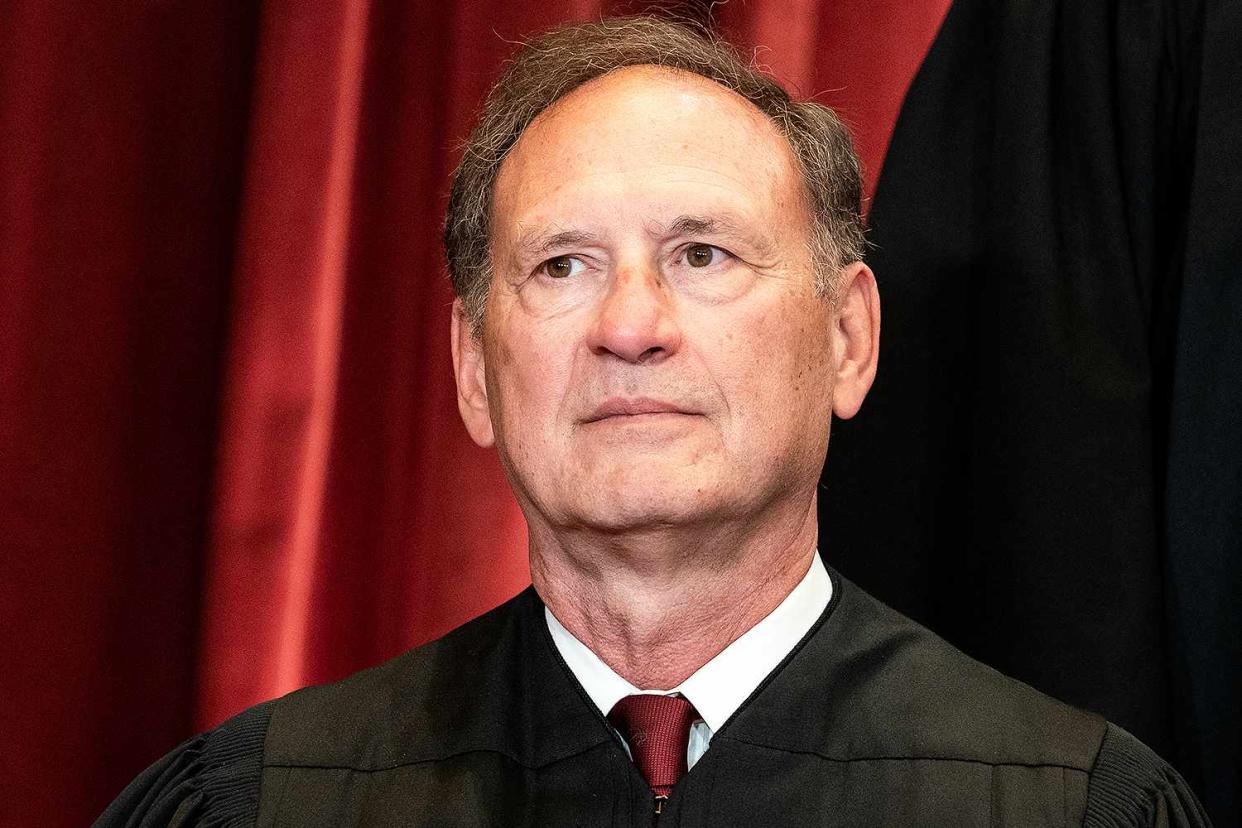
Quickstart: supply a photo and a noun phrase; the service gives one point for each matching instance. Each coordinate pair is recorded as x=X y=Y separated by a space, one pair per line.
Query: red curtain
x=229 y=447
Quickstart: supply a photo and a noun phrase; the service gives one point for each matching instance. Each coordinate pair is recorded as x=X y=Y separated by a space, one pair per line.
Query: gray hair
x=550 y=67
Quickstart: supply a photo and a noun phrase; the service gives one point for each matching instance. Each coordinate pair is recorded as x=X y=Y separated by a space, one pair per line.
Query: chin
x=631 y=520
x=646 y=505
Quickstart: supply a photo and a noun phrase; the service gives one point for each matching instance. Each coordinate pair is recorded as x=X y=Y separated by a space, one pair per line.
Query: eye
x=562 y=267
x=704 y=255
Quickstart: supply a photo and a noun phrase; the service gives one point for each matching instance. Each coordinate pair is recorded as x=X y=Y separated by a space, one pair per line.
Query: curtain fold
x=283 y=355
x=121 y=144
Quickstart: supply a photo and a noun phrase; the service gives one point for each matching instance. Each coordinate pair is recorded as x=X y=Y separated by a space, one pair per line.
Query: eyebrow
x=533 y=242
x=722 y=225
x=700 y=226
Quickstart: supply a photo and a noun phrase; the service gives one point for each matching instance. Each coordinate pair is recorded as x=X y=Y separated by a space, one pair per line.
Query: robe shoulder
x=451 y=696
x=911 y=696
x=915 y=703
x=210 y=779
x=1132 y=786
x=446 y=696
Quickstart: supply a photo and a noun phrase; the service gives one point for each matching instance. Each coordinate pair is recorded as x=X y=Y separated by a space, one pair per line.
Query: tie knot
x=657 y=729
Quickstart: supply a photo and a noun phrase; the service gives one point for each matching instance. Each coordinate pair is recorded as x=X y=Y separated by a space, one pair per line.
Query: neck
x=657 y=605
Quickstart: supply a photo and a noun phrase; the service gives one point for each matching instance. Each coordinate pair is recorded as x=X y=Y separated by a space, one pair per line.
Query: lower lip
x=649 y=417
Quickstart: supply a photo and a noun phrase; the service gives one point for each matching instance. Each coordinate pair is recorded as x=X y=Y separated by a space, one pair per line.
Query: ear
x=468 y=369
x=855 y=339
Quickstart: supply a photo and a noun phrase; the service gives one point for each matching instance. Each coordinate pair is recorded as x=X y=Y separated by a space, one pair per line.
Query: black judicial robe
x=1048 y=470
x=872 y=720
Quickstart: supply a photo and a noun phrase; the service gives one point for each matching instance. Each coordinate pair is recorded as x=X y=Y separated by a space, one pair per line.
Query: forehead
x=655 y=134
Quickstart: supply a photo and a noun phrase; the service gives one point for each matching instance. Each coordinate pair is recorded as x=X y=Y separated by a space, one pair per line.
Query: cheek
x=812 y=353
x=497 y=359
x=775 y=362
x=527 y=377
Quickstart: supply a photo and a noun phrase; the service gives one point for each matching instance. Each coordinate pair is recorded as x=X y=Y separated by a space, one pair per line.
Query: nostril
x=650 y=354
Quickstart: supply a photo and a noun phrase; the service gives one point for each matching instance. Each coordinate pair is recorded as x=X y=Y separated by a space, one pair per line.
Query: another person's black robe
x=1048 y=471
x=872 y=720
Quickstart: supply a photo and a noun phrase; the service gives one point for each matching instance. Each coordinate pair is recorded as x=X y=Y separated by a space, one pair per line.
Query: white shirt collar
x=718 y=688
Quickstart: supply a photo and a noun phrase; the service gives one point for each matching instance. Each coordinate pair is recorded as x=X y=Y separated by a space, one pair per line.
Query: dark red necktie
x=657 y=729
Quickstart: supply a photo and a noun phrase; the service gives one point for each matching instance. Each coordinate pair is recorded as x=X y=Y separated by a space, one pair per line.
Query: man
x=662 y=304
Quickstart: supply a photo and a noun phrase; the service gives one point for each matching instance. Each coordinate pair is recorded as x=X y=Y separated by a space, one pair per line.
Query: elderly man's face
x=653 y=350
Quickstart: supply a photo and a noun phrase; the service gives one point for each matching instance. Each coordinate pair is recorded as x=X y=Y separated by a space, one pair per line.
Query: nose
x=636 y=318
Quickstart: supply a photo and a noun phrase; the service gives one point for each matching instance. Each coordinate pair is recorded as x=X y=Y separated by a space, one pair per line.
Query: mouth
x=616 y=408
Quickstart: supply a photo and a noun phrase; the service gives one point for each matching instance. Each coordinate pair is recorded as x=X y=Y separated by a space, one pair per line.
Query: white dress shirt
x=719 y=687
